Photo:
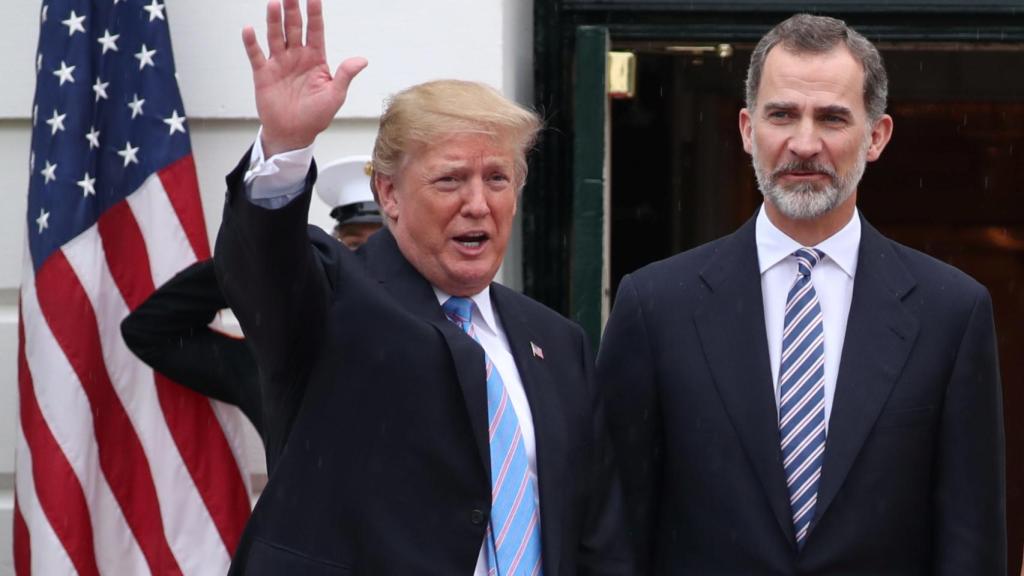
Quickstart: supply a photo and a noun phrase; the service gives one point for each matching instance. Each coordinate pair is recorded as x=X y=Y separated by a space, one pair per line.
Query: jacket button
x=478 y=517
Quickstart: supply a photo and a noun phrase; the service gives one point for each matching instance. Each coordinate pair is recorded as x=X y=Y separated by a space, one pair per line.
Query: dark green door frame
x=590 y=154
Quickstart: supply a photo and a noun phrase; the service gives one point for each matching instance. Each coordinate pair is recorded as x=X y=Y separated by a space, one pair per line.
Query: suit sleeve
x=625 y=373
x=170 y=333
x=605 y=548
x=275 y=282
x=970 y=493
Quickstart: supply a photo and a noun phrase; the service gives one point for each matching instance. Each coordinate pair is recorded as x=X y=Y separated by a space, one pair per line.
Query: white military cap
x=344 y=185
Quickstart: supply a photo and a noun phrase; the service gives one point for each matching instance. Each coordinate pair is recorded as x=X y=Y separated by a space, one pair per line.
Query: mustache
x=804 y=166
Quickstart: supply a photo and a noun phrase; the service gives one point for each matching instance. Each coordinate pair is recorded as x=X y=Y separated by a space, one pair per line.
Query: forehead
x=464 y=148
x=826 y=79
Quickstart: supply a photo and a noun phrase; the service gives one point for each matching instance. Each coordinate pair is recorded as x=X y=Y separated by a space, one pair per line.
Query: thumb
x=346 y=71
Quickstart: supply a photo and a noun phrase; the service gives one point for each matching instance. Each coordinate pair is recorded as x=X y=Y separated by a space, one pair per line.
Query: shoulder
x=517 y=307
x=936 y=273
x=680 y=274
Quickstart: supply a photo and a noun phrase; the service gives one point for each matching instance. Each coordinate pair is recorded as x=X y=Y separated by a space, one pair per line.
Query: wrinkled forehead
x=464 y=148
x=832 y=78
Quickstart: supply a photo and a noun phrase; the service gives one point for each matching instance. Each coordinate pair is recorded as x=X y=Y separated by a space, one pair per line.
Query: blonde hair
x=427 y=112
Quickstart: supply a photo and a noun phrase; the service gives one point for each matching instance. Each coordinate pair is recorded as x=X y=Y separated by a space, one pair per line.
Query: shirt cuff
x=276 y=181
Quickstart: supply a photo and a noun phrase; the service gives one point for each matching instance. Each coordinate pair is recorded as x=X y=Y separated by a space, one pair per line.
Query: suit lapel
x=414 y=294
x=880 y=333
x=550 y=436
x=733 y=337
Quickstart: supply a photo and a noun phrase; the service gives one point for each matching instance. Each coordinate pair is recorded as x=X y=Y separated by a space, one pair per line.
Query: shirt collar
x=483 y=315
x=773 y=246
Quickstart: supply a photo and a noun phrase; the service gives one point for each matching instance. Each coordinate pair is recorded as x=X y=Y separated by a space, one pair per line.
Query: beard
x=808 y=200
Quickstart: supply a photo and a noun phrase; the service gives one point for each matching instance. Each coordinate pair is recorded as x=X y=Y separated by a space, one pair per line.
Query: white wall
x=406 y=42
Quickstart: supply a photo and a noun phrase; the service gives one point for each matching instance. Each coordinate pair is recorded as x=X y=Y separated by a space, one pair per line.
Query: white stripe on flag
x=65 y=408
x=169 y=252
x=48 y=555
x=187 y=524
x=168 y=247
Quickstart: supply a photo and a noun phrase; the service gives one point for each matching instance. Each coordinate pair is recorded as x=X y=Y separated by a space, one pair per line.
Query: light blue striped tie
x=802 y=394
x=513 y=538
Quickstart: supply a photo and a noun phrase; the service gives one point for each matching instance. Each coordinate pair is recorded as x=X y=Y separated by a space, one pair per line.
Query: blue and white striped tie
x=513 y=540
x=802 y=394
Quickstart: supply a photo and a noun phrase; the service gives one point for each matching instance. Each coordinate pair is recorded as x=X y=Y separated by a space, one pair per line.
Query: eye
x=499 y=180
x=446 y=182
x=833 y=119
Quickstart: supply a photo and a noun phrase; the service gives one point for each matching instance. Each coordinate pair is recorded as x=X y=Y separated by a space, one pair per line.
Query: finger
x=315 y=27
x=292 y=24
x=275 y=37
x=346 y=71
x=252 y=48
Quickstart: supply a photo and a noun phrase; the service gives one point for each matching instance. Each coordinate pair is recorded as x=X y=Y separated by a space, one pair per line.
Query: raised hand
x=296 y=96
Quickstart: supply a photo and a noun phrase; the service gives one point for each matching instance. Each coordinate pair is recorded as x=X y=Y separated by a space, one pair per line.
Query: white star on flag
x=129 y=154
x=156 y=11
x=136 y=105
x=88 y=185
x=100 y=88
x=46 y=8
x=177 y=123
x=65 y=73
x=93 y=137
x=74 y=23
x=109 y=41
x=49 y=172
x=43 y=220
x=56 y=122
x=39 y=63
x=145 y=57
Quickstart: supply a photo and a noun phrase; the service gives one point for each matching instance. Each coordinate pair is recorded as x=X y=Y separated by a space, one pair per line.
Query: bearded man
x=806 y=396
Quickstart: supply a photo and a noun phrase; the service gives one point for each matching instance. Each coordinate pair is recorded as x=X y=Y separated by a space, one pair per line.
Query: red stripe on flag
x=22 y=544
x=58 y=490
x=193 y=425
x=208 y=457
x=71 y=317
x=179 y=180
x=126 y=254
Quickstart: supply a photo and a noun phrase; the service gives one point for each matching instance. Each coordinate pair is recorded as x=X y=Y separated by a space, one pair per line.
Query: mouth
x=472 y=240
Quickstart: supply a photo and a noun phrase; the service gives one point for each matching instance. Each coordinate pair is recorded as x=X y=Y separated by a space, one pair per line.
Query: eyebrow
x=832 y=109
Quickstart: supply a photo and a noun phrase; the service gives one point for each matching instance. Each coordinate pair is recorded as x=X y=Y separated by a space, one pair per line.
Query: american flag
x=119 y=471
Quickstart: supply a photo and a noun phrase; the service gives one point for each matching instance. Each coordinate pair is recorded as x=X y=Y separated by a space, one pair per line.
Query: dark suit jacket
x=170 y=332
x=381 y=402
x=913 y=474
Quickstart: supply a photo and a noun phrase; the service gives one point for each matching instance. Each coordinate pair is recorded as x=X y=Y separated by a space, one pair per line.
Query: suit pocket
x=906 y=417
x=266 y=559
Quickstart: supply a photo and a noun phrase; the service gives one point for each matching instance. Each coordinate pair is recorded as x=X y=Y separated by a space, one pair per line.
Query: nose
x=805 y=142
x=474 y=199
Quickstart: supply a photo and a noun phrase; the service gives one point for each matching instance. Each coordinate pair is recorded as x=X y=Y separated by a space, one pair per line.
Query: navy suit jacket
x=380 y=404
x=913 y=474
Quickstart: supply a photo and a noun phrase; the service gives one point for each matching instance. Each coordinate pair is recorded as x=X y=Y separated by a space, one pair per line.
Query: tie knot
x=459 y=310
x=807 y=258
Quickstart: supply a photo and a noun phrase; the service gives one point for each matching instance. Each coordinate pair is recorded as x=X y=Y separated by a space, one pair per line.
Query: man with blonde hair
x=432 y=421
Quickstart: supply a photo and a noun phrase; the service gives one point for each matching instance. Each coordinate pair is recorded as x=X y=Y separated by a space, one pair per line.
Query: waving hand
x=296 y=95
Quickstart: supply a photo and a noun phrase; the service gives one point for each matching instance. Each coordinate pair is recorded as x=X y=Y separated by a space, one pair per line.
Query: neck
x=811 y=232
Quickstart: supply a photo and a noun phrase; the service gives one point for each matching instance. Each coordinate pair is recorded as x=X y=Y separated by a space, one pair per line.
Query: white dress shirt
x=833 y=282
x=274 y=182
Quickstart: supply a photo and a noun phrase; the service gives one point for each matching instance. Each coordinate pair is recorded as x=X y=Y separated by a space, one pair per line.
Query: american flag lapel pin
x=538 y=352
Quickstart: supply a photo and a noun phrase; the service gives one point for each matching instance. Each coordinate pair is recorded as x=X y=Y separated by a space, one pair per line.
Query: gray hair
x=807 y=34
